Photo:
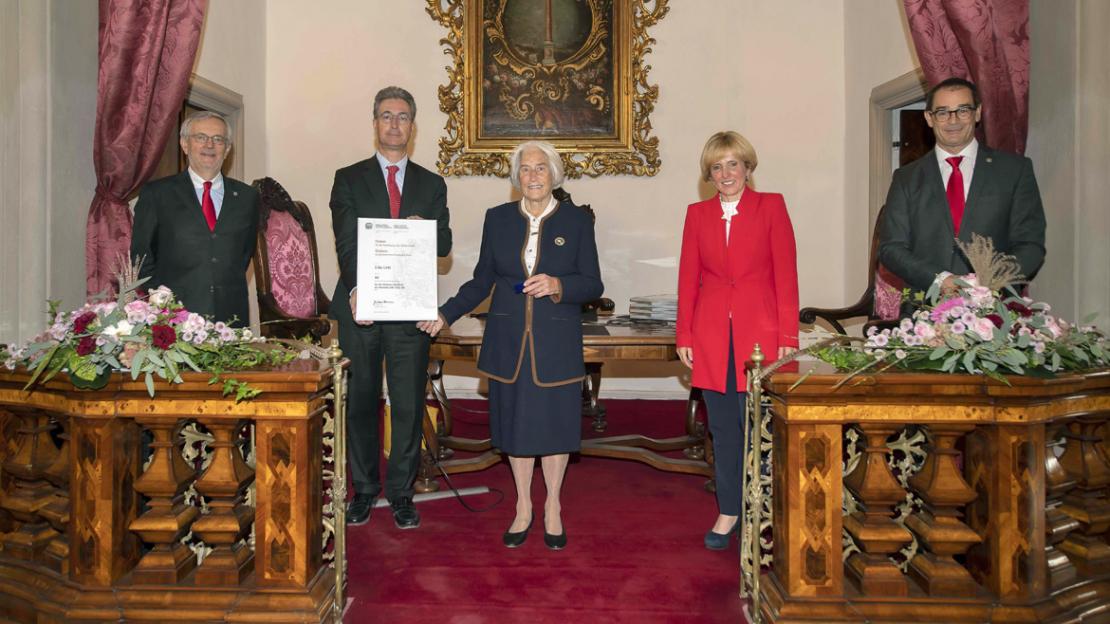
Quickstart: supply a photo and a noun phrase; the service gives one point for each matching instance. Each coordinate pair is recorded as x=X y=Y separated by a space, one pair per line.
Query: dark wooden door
x=917 y=136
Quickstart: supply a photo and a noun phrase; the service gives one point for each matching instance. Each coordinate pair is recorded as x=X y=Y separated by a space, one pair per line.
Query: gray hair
x=187 y=125
x=394 y=93
x=554 y=162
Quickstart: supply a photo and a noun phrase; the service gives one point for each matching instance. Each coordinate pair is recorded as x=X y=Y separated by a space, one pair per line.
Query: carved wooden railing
x=90 y=533
x=1002 y=515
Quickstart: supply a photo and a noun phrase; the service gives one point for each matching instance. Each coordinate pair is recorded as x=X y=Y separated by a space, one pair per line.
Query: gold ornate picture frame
x=570 y=72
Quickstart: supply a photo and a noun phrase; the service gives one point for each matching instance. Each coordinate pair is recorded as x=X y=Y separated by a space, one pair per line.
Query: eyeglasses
x=400 y=118
x=203 y=139
x=963 y=113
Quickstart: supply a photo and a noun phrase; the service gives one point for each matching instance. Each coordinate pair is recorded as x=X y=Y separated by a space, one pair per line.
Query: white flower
x=900 y=354
x=160 y=297
x=122 y=328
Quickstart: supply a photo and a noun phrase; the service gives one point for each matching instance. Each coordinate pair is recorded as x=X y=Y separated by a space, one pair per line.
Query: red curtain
x=986 y=42
x=146 y=51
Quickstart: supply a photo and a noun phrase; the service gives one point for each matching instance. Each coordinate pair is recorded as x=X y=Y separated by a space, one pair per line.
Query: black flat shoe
x=512 y=540
x=358 y=509
x=404 y=513
x=555 y=542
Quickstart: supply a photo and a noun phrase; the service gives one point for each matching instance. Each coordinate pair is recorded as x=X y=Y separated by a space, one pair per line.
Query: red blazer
x=755 y=278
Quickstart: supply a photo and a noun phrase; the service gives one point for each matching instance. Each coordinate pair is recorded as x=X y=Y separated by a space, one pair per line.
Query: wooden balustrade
x=88 y=533
x=1012 y=514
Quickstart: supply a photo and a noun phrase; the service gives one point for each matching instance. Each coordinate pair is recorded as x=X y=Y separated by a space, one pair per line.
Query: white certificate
x=396 y=270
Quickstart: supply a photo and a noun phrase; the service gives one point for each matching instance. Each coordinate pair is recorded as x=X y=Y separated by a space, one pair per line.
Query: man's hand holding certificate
x=396 y=270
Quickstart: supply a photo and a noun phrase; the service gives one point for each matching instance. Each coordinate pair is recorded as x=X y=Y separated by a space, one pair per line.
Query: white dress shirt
x=967 y=165
x=532 y=248
x=728 y=211
x=217 y=189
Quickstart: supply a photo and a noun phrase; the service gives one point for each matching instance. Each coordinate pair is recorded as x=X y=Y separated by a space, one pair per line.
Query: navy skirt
x=526 y=419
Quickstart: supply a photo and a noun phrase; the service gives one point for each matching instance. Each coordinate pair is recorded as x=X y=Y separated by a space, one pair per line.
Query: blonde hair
x=728 y=142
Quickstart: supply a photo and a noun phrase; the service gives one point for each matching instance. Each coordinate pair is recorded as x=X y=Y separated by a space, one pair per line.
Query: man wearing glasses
x=196 y=231
x=385 y=186
x=960 y=188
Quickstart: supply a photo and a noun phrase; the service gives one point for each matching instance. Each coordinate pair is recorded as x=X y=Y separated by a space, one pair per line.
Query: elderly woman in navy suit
x=540 y=258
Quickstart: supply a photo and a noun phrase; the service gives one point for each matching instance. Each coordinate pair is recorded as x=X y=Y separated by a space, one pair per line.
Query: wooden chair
x=291 y=303
x=880 y=283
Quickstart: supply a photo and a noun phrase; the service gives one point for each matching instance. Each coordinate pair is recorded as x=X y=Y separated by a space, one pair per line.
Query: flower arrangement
x=153 y=336
x=982 y=327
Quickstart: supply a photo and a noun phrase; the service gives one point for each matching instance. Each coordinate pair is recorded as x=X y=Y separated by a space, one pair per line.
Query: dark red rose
x=81 y=323
x=1020 y=308
x=163 y=336
x=86 y=345
x=994 y=318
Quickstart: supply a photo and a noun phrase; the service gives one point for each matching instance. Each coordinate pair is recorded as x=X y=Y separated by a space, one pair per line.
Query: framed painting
x=570 y=72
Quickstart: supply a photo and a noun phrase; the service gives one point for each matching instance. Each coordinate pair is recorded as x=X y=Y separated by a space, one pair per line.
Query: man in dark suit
x=956 y=190
x=384 y=186
x=196 y=230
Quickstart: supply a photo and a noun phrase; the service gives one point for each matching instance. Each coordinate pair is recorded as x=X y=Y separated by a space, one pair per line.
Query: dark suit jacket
x=553 y=329
x=917 y=240
x=359 y=191
x=205 y=269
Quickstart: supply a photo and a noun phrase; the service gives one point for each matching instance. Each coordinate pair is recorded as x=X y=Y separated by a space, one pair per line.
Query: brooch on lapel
x=560 y=241
x=235 y=193
x=989 y=159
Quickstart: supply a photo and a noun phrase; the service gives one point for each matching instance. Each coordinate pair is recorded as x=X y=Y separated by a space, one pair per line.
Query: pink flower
x=985 y=328
x=958 y=328
x=943 y=307
x=128 y=353
x=924 y=331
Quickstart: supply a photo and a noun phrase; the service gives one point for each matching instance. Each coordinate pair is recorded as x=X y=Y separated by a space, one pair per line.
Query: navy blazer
x=206 y=270
x=917 y=240
x=552 y=329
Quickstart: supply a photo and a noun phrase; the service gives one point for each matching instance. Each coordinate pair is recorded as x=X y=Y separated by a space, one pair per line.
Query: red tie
x=208 y=207
x=955 y=192
x=394 y=192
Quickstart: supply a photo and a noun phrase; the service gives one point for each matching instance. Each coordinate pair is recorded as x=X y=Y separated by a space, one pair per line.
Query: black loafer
x=555 y=542
x=512 y=540
x=404 y=513
x=358 y=509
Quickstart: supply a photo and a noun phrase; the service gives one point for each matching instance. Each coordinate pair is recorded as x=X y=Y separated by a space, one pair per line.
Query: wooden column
x=1004 y=464
x=1058 y=525
x=874 y=529
x=806 y=500
x=939 y=528
x=56 y=512
x=29 y=492
x=229 y=518
x=1089 y=501
x=168 y=518
x=104 y=500
x=288 y=501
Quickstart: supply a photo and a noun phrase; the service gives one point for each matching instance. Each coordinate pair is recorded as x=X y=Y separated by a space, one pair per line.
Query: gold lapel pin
x=560 y=241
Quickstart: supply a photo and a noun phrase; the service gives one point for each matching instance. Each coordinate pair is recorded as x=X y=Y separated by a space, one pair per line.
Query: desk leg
x=591 y=405
x=435 y=379
x=695 y=429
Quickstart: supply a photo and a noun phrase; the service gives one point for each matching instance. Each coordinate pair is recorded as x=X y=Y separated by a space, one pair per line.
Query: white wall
x=774 y=75
x=1069 y=143
x=47 y=112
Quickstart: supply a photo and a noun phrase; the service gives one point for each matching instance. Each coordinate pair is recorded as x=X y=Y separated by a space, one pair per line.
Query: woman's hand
x=785 y=351
x=686 y=354
x=432 y=327
x=543 y=285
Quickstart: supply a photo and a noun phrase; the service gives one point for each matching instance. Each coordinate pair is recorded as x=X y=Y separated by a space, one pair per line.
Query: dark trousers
x=726 y=426
x=404 y=349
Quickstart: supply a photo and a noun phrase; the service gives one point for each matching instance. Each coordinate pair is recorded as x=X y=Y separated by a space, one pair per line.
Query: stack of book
x=654 y=307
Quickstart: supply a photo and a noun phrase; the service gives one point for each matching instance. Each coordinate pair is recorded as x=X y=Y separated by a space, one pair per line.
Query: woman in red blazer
x=737 y=286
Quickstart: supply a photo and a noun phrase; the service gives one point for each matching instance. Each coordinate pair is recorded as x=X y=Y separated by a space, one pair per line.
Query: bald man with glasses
x=959 y=189
x=196 y=230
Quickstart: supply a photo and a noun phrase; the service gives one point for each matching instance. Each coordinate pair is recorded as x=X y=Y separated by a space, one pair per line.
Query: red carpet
x=634 y=550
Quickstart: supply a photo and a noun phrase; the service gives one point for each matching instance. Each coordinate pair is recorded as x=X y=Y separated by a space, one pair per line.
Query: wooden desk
x=601 y=344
